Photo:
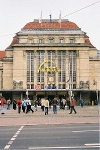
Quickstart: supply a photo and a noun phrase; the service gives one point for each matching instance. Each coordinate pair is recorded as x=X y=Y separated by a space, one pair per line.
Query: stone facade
x=34 y=37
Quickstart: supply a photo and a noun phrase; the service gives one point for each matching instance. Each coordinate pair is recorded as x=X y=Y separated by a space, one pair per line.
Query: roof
x=67 y=24
x=87 y=41
x=14 y=41
x=46 y=24
x=2 y=54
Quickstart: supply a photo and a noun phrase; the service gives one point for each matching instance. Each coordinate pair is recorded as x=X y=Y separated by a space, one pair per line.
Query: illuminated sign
x=42 y=68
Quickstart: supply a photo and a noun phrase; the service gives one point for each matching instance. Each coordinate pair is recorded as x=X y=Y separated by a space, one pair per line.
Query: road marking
x=52 y=147
x=7 y=147
x=87 y=131
x=73 y=147
x=10 y=142
x=13 y=138
x=93 y=145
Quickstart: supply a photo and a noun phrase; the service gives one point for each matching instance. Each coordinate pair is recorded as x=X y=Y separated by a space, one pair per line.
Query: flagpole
x=40 y=19
x=60 y=19
x=50 y=19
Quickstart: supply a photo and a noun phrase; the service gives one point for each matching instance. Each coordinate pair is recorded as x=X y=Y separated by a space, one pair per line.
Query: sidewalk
x=87 y=114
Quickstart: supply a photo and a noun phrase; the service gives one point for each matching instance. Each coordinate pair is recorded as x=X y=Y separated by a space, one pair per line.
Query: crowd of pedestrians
x=61 y=103
x=25 y=105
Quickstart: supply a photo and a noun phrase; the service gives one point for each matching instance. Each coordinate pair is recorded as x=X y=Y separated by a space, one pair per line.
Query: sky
x=14 y=14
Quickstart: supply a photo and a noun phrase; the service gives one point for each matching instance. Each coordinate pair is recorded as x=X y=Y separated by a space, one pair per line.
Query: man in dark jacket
x=55 y=106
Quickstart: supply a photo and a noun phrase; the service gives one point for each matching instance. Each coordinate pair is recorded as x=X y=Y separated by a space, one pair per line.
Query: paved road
x=50 y=137
x=87 y=114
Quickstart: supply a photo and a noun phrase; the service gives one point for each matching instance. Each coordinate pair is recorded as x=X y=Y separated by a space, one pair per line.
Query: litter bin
x=92 y=102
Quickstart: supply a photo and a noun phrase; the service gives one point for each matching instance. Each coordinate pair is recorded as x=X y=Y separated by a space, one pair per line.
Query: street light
x=69 y=81
x=27 y=93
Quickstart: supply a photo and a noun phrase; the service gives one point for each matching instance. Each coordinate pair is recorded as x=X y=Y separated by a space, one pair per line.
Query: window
x=71 y=40
x=72 y=69
x=30 y=41
x=40 y=59
x=61 y=41
x=30 y=70
x=40 y=41
x=51 y=41
x=62 y=65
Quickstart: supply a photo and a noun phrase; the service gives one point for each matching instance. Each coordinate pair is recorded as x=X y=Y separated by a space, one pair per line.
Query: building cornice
x=52 y=45
x=7 y=59
x=52 y=31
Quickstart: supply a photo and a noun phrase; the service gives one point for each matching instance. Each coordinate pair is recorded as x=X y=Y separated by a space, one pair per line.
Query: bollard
x=92 y=102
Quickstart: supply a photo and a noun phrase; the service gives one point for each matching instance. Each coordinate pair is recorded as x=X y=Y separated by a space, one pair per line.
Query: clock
x=51 y=79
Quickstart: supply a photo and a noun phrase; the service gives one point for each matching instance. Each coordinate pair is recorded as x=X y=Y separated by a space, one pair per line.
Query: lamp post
x=70 y=91
x=27 y=93
x=95 y=83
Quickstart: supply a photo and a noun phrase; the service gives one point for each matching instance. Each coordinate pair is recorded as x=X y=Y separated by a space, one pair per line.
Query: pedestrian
x=64 y=103
x=24 y=105
x=42 y=104
x=14 y=104
x=46 y=105
x=68 y=104
x=35 y=104
x=8 y=103
x=19 y=104
x=59 y=102
x=28 y=104
x=50 y=103
x=2 y=104
x=81 y=102
x=55 y=105
x=72 y=104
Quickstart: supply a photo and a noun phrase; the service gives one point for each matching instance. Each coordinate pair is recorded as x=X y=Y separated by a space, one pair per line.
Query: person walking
x=28 y=103
x=24 y=105
x=2 y=105
x=42 y=104
x=19 y=104
x=46 y=105
x=35 y=104
x=64 y=103
x=55 y=106
x=81 y=102
x=8 y=103
x=14 y=104
x=72 y=104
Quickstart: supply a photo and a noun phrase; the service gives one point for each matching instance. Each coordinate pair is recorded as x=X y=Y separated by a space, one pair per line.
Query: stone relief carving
x=17 y=85
x=84 y=85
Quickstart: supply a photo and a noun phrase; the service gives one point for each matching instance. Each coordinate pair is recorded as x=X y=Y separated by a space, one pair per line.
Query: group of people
x=55 y=102
x=25 y=105
x=45 y=105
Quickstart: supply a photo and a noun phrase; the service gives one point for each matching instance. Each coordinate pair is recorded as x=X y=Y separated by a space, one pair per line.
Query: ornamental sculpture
x=48 y=69
x=17 y=85
x=84 y=84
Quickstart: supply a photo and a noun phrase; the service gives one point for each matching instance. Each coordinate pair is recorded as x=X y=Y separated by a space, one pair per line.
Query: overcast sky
x=14 y=14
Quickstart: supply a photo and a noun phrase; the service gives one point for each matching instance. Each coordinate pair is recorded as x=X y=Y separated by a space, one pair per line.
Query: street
x=50 y=137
